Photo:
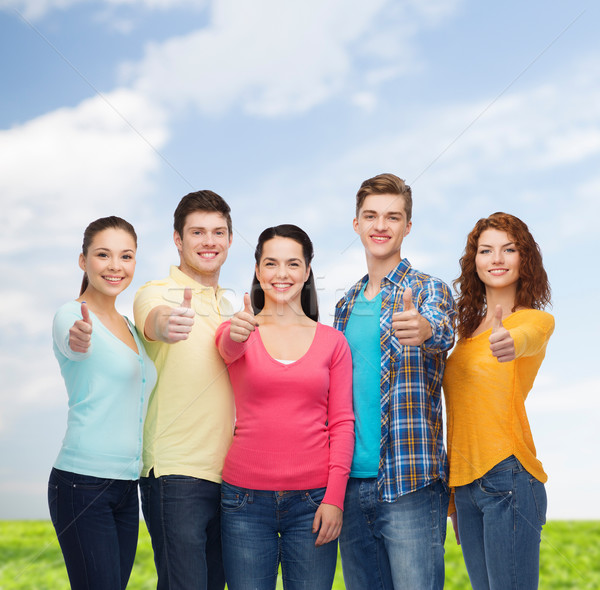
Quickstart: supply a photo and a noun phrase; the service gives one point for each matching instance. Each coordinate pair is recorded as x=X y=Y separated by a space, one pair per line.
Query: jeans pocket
x=53 y=502
x=538 y=489
x=315 y=496
x=498 y=484
x=233 y=499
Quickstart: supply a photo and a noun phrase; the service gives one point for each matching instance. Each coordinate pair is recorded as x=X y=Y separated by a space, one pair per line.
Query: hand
x=409 y=326
x=80 y=333
x=328 y=522
x=243 y=323
x=454 y=521
x=176 y=324
x=502 y=344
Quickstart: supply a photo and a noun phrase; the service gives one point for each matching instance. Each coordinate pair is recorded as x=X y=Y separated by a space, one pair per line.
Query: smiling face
x=203 y=247
x=109 y=262
x=282 y=270
x=382 y=226
x=497 y=260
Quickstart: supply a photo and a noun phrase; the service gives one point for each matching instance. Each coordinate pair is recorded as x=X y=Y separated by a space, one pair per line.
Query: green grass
x=30 y=558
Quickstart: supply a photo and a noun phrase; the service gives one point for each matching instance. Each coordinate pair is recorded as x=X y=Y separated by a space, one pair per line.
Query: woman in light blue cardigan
x=93 y=487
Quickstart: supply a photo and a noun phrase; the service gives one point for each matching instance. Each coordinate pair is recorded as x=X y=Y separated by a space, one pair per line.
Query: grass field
x=30 y=558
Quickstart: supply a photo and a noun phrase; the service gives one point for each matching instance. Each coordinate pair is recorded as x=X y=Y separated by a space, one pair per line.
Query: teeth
x=112 y=279
x=379 y=238
x=208 y=254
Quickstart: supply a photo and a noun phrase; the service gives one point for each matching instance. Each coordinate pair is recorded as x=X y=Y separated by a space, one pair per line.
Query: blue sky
x=121 y=107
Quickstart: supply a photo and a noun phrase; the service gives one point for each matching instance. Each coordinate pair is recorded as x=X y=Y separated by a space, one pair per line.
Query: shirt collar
x=185 y=280
x=398 y=273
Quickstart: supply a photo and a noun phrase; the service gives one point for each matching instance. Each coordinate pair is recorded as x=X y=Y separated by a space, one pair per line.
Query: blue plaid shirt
x=412 y=451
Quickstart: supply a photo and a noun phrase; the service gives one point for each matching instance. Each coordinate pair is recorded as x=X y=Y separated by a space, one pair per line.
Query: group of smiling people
x=259 y=438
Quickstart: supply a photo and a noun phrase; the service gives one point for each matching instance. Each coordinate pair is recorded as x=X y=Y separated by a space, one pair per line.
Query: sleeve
x=437 y=306
x=340 y=418
x=63 y=321
x=532 y=336
x=148 y=297
x=228 y=348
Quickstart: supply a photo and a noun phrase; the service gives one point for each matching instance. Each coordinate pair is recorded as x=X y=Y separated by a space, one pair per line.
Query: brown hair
x=95 y=228
x=533 y=288
x=385 y=184
x=201 y=201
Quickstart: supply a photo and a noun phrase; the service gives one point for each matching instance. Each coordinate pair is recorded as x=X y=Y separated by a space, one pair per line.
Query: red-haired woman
x=497 y=479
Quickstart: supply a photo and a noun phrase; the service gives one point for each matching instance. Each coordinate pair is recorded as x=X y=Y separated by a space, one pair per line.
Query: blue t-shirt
x=363 y=335
x=108 y=389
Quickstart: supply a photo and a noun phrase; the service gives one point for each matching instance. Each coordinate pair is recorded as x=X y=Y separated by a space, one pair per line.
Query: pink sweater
x=294 y=423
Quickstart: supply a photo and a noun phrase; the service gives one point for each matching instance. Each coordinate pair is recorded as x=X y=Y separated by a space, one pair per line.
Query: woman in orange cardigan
x=497 y=479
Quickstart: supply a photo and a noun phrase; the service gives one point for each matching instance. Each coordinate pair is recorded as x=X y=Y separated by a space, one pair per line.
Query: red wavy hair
x=533 y=288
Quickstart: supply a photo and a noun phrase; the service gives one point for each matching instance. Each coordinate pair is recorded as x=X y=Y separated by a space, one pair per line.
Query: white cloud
x=272 y=59
x=67 y=164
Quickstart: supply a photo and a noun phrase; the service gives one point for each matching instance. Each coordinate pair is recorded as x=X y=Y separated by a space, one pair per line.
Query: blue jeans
x=97 y=523
x=262 y=529
x=500 y=518
x=393 y=545
x=183 y=519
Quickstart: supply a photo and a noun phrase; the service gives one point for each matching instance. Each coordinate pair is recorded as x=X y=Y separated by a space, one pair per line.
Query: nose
x=380 y=222
x=498 y=256
x=114 y=263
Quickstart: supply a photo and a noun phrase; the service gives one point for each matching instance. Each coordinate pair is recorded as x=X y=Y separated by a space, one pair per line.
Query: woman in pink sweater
x=285 y=475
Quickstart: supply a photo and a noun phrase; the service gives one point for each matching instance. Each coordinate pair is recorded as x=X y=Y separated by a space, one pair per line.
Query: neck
x=282 y=314
x=206 y=280
x=377 y=270
x=100 y=304
x=504 y=297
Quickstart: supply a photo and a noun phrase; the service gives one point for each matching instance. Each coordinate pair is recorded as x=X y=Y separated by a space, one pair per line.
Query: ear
x=307 y=273
x=355 y=225
x=408 y=228
x=257 y=272
x=178 y=241
x=82 y=262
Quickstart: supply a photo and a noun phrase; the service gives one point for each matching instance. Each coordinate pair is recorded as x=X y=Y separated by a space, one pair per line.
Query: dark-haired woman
x=93 y=487
x=498 y=480
x=285 y=475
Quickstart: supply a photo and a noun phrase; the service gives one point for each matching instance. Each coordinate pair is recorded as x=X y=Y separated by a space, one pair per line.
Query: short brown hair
x=201 y=201
x=385 y=184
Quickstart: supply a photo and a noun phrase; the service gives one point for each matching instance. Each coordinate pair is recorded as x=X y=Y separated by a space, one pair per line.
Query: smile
x=113 y=279
x=498 y=271
x=207 y=255
x=380 y=239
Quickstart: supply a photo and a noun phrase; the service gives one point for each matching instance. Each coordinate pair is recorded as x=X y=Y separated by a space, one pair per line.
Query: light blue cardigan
x=108 y=389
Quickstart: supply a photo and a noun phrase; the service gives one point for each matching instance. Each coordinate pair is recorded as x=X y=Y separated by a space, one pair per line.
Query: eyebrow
x=386 y=212
x=108 y=249
x=269 y=258
x=490 y=245
x=220 y=228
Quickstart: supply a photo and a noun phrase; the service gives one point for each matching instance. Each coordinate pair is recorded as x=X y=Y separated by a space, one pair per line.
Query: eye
x=484 y=251
x=511 y=250
x=127 y=256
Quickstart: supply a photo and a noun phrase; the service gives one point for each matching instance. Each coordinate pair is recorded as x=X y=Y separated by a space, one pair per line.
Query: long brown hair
x=96 y=227
x=533 y=288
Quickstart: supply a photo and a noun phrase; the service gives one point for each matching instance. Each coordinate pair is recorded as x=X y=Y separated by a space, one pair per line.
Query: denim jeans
x=183 y=519
x=393 y=545
x=500 y=518
x=262 y=529
x=97 y=523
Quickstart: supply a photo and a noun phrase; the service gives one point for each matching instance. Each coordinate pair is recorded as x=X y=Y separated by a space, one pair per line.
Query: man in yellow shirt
x=189 y=424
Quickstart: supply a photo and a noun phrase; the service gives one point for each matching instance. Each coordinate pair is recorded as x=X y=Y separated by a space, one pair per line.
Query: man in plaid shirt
x=399 y=323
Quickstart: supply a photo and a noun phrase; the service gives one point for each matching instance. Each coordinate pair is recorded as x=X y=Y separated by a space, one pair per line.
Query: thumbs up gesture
x=243 y=323
x=176 y=325
x=502 y=344
x=409 y=326
x=80 y=333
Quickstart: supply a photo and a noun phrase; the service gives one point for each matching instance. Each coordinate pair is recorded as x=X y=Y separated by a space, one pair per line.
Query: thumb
x=187 y=298
x=248 y=304
x=407 y=300
x=497 y=321
x=85 y=313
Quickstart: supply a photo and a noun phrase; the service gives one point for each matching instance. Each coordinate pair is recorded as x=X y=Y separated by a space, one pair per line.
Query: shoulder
x=417 y=277
x=536 y=317
x=331 y=337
